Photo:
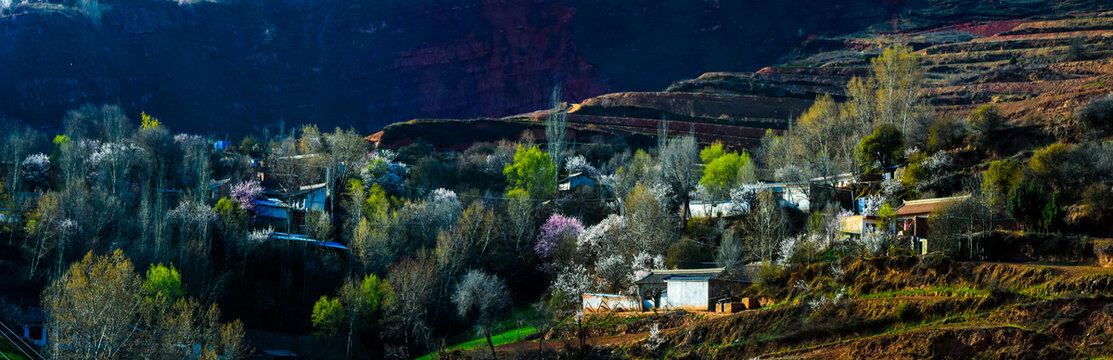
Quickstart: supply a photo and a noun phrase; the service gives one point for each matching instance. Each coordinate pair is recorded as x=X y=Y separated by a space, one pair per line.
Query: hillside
x=230 y=67
x=1037 y=64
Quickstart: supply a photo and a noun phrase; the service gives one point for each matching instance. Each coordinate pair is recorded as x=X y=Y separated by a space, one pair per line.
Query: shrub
x=1094 y=211
x=1049 y=162
x=684 y=254
x=985 y=124
x=1026 y=203
x=946 y=133
x=1097 y=116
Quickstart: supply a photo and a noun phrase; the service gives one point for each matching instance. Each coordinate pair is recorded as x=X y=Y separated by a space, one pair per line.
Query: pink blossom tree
x=245 y=192
x=558 y=230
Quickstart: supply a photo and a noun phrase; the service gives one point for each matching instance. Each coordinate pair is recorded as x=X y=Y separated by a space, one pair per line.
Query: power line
x=25 y=342
x=22 y=341
x=14 y=343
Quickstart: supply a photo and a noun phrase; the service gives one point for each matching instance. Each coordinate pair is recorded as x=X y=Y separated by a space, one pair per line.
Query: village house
x=689 y=289
x=273 y=208
x=34 y=326
x=852 y=227
x=912 y=219
x=594 y=302
x=310 y=197
x=577 y=180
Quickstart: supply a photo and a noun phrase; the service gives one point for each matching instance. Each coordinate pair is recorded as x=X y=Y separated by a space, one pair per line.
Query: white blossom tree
x=485 y=296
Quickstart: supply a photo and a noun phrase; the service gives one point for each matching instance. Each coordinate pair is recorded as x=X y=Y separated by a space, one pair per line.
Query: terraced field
x=1033 y=68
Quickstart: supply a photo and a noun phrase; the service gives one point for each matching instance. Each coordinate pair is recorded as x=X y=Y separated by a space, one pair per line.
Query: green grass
x=505 y=337
x=932 y=291
x=511 y=328
x=9 y=351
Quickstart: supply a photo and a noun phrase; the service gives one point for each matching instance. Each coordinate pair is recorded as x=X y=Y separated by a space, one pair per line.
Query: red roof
x=926 y=206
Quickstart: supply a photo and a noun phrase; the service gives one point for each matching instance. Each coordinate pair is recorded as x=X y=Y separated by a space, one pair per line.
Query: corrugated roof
x=926 y=206
x=659 y=276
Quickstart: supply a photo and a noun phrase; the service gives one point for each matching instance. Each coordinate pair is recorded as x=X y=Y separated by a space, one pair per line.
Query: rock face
x=239 y=65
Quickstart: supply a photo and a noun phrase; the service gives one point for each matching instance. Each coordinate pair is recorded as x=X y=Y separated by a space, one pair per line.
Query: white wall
x=607 y=302
x=688 y=294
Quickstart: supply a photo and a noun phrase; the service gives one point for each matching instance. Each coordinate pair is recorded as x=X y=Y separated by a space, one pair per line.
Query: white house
x=789 y=194
x=609 y=302
x=689 y=289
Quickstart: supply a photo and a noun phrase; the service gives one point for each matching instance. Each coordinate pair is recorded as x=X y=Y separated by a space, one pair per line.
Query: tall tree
x=406 y=312
x=555 y=126
x=898 y=78
x=678 y=161
x=93 y=308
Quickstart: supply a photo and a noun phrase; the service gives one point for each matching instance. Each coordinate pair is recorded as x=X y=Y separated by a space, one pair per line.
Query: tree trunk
x=492 y=345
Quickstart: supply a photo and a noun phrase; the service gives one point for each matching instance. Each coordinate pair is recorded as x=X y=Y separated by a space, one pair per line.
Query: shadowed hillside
x=234 y=66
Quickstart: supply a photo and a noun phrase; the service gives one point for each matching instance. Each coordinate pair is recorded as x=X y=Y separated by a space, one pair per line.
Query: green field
x=513 y=327
x=9 y=351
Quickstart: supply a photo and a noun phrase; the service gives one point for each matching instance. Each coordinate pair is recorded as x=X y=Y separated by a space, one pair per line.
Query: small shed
x=272 y=208
x=856 y=225
x=34 y=326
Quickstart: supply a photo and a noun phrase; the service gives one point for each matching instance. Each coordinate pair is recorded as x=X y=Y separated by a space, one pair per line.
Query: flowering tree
x=556 y=231
x=485 y=295
x=34 y=169
x=569 y=284
x=872 y=204
x=381 y=169
x=245 y=192
x=579 y=163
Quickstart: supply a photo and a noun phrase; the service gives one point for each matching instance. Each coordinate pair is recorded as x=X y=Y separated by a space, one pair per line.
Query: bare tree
x=485 y=295
x=731 y=254
x=413 y=282
x=765 y=225
x=678 y=160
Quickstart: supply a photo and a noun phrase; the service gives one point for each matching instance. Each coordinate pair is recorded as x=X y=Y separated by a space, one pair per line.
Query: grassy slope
x=900 y=308
x=511 y=328
x=9 y=351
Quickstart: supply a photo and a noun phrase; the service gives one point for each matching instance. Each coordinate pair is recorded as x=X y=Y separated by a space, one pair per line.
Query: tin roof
x=926 y=206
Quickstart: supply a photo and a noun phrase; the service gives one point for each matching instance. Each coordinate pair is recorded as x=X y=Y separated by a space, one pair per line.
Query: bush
x=1094 y=211
x=1026 y=204
x=685 y=254
x=946 y=133
x=985 y=123
x=1097 y=116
